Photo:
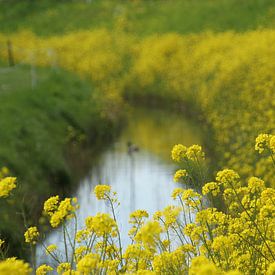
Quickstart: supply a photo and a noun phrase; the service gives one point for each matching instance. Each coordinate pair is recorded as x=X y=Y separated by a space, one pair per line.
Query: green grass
x=144 y=17
x=39 y=128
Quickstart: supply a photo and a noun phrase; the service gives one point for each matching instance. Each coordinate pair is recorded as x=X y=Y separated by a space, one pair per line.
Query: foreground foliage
x=188 y=237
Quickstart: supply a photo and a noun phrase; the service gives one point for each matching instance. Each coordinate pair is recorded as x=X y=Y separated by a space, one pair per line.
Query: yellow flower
x=272 y=144
x=43 y=269
x=228 y=178
x=202 y=266
x=256 y=185
x=88 y=263
x=211 y=187
x=178 y=152
x=195 y=152
x=51 y=248
x=102 y=191
x=149 y=233
x=65 y=210
x=101 y=224
x=81 y=235
x=13 y=266
x=271 y=269
x=177 y=192
x=191 y=198
x=31 y=235
x=171 y=214
x=180 y=174
x=51 y=205
x=137 y=215
x=6 y=186
x=165 y=262
x=262 y=142
x=80 y=252
x=63 y=267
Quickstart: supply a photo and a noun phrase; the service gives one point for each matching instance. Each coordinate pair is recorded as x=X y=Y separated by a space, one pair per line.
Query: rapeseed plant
x=236 y=240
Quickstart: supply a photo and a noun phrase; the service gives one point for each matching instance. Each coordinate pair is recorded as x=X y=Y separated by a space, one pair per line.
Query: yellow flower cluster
x=51 y=205
x=149 y=234
x=212 y=188
x=59 y=211
x=180 y=174
x=263 y=142
x=138 y=215
x=63 y=267
x=189 y=238
x=51 y=248
x=207 y=71
x=43 y=269
x=88 y=264
x=101 y=224
x=31 y=235
x=178 y=152
x=102 y=191
x=7 y=184
x=14 y=266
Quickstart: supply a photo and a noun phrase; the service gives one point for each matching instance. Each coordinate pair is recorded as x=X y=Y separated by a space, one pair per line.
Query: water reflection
x=142 y=179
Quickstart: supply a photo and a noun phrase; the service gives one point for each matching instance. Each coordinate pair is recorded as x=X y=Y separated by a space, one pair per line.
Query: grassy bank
x=141 y=17
x=40 y=129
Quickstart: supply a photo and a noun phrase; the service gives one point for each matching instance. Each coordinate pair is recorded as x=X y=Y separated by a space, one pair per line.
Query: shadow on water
x=137 y=166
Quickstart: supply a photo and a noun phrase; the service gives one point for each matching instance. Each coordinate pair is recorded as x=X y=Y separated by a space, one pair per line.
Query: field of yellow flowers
x=226 y=79
x=238 y=240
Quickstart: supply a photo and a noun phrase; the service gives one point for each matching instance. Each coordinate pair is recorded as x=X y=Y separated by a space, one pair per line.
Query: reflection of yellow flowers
x=6 y=186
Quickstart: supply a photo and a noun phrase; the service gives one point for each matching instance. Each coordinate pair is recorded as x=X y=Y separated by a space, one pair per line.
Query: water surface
x=142 y=177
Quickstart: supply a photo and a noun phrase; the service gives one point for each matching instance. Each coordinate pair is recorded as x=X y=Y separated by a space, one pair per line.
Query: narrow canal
x=137 y=166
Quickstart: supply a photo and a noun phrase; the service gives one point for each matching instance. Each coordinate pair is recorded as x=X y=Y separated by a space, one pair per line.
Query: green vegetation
x=141 y=17
x=39 y=128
